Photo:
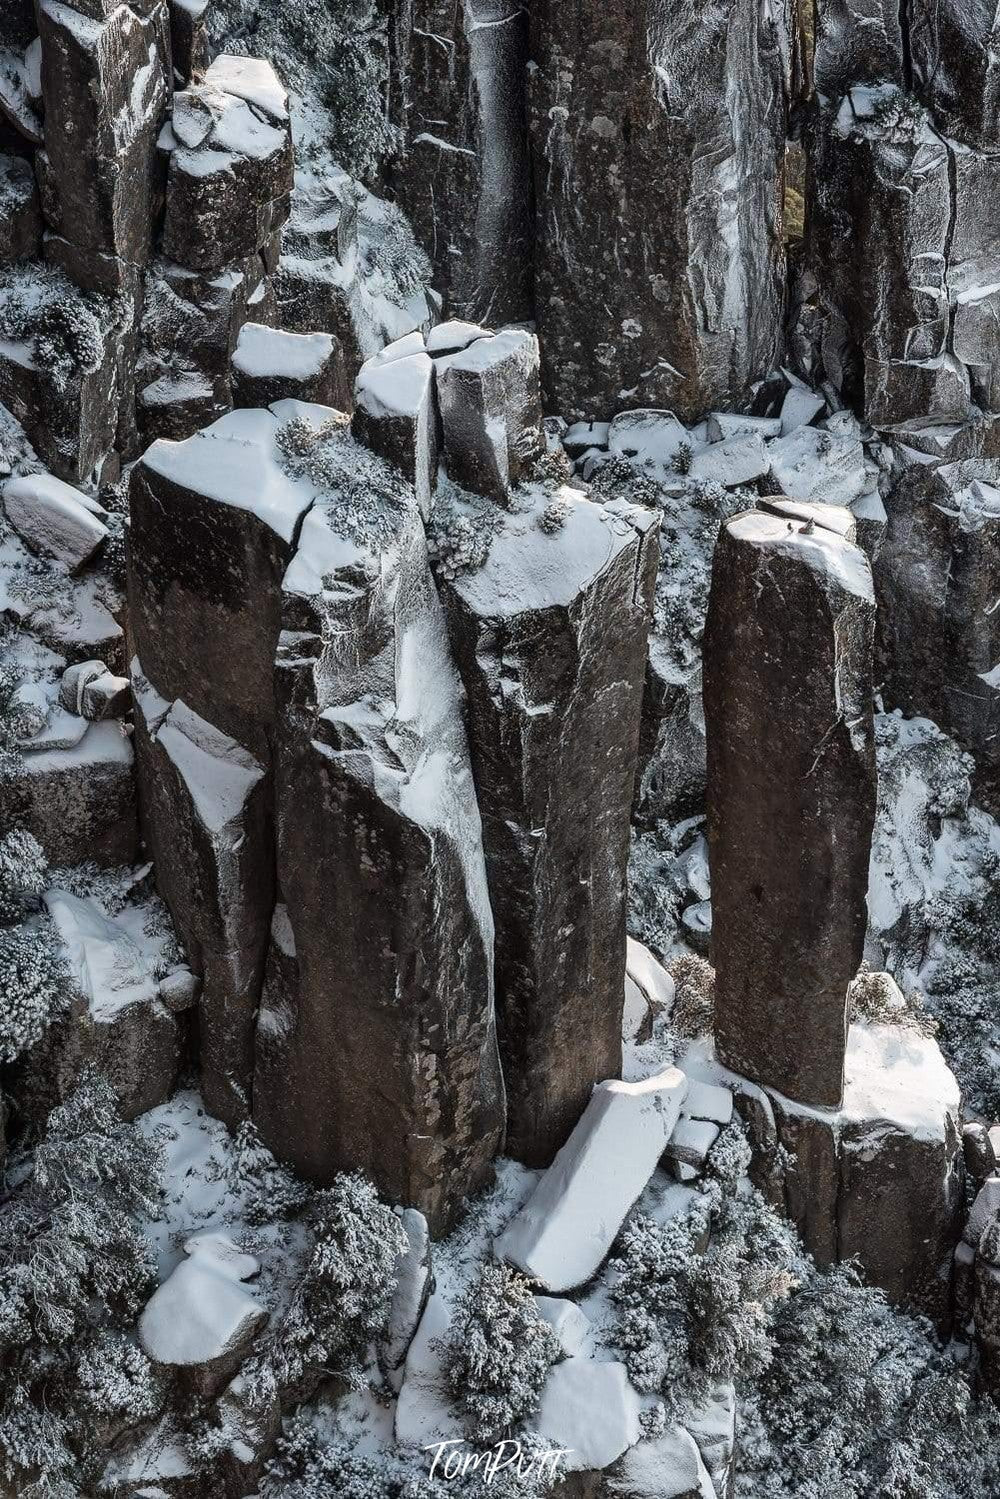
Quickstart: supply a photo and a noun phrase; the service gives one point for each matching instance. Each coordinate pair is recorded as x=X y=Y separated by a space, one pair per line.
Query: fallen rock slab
x=54 y=518
x=563 y=1233
x=588 y=1407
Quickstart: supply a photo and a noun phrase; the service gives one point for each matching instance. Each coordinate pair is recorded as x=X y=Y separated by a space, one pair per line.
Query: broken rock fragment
x=563 y=1233
x=396 y=414
x=271 y=365
x=491 y=412
x=20 y=218
x=791 y=790
x=229 y=176
x=54 y=518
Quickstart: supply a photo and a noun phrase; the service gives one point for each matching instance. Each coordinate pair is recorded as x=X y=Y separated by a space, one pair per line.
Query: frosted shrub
x=34 y=986
x=75 y=1270
x=392 y=258
x=875 y=997
x=341 y=1301
x=459 y=541
x=23 y=870
x=499 y=1351
x=693 y=1014
x=267 y=1190
x=64 y=325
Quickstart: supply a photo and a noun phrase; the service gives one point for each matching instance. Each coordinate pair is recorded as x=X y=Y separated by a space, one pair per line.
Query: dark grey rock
x=106 y=87
x=189 y=42
x=936 y=580
x=206 y=819
x=457 y=92
x=269 y=365
x=79 y=802
x=396 y=415
x=657 y=137
x=791 y=790
x=491 y=412
x=229 y=177
x=20 y=215
x=389 y=1061
x=550 y=638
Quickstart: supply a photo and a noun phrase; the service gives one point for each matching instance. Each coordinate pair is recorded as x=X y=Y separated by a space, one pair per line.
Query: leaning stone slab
x=414 y=1283
x=563 y=1233
x=206 y=820
x=791 y=790
x=669 y=1466
x=549 y=635
x=491 y=412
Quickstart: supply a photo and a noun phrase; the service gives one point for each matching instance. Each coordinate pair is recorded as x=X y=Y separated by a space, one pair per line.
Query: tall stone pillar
x=657 y=134
x=791 y=790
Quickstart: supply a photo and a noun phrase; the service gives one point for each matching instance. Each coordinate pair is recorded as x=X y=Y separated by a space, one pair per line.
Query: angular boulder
x=562 y=1235
x=229 y=176
x=791 y=790
x=491 y=412
x=54 y=518
x=79 y=801
x=271 y=365
x=396 y=415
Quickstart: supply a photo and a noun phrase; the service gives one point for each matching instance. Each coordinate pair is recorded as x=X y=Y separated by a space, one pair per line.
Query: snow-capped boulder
x=669 y=1466
x=125 y=1031
x=588 y=1407
x=558 y=610
x=202 y=1321
x=568 y=1321
x=269 y=364
x=491 y=412
x=230 y=169
x=424 y=1410
x=396 y=415
x=737 y=460
x=791 y=798
x=563 y=1233
x=79 y=800
x=54 y=518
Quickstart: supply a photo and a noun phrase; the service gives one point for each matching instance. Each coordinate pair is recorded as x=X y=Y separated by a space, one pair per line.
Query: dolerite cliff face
x=493 y=665
x=617 y=168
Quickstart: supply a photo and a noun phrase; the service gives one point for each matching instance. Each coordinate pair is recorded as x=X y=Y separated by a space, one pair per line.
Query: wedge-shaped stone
x=54 y=518
x=491 y=412
x=791 y=789
x=207 y=823
x=395 y=414
x=563 y=1233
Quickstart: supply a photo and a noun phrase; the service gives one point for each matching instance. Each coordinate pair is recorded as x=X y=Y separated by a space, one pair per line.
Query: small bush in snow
x=341 y=1301
x=876 y=997
x=459 y=541
x=34 y=986
x=267 y=1190
x=23 y=870
x=499 y=1351
x=694 y=1003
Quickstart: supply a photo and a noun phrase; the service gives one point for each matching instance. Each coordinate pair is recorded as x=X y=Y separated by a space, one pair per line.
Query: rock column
x=657 y=136
x=791 y=790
